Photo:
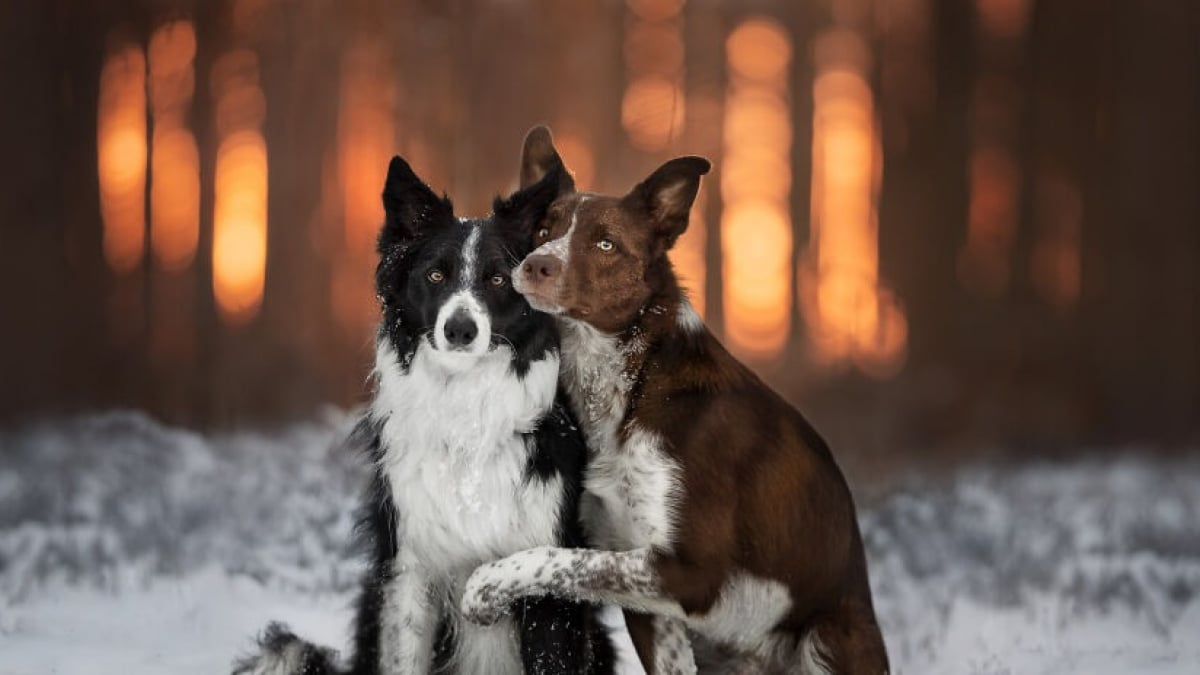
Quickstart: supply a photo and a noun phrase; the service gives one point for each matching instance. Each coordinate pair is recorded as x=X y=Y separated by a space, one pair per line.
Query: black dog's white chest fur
x=456 y=453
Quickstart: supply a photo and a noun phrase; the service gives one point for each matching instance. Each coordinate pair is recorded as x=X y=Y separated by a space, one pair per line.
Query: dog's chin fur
x=458 y=361
x=545 y=306
x=541 y=304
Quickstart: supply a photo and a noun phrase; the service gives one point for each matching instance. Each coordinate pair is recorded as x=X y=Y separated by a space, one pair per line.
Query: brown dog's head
x=598 y=258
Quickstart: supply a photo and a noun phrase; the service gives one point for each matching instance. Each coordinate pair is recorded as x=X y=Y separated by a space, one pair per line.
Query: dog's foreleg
x=662 y=643
x=409 y=621
x=623 y=578
x=672 y=648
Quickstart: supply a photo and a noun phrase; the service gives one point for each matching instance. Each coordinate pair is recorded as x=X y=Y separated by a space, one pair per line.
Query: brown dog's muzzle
x=541 y=271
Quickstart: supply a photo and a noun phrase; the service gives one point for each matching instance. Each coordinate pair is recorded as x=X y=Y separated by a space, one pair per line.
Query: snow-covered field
x=128 y=547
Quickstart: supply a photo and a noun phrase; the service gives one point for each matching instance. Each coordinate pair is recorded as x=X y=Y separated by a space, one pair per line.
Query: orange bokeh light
x=175 y=159
x=653 y=105
x=756 y=180
x=759 y=49
x=655 y=10
x=850 y=315
x=172 y=51
x=1004 y=18
x=1055 y=265
x=577 y=154
x=652 y=112
x=759 y=116
x=983 y=264
x=240 y=224
x=366 y=142
x=882 y=340
x=240 y=100
x=121 y=157
x=174 y=198
x=756 y=238
x=239 y=255
x=654 y=48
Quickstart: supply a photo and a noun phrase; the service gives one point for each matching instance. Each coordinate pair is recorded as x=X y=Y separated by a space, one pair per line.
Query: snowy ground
x=128 y=547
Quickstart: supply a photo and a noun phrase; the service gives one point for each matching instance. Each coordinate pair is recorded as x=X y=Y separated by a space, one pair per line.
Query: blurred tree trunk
x=300 y=61
x=922 y=214
x=1142 y=270
x=58 y=351
x=1047 y=396
x=923 y=203
x=803 y=21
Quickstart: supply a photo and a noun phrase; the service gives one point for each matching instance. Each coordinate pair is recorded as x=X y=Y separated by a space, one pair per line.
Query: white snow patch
x=129 y=547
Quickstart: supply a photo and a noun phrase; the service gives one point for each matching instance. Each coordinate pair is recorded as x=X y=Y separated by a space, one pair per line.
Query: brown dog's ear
x=525 y=209
x=539 y=158
x=666 y=196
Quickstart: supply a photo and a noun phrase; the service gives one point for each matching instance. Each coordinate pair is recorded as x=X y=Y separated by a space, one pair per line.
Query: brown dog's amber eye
x=436 y=276
x=543 y=233
x=498 y=280
x=604 y=245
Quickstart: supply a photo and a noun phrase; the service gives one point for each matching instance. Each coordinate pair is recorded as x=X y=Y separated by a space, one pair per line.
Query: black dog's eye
x=435 y=276
x=498 y=280
x=543 y=233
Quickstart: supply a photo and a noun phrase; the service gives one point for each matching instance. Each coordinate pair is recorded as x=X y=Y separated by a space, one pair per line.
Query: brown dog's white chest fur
x=632 y=485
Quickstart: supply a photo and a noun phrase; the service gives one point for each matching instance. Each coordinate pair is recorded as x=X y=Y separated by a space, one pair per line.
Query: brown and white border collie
x=726 y=522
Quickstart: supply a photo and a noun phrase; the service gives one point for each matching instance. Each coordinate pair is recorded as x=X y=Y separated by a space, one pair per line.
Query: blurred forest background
x=942 y=227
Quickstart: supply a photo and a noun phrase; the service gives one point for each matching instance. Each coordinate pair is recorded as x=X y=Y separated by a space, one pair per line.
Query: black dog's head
x=444 y=281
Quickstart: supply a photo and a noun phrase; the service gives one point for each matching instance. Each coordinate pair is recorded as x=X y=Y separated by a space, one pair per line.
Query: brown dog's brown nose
x=541 y=268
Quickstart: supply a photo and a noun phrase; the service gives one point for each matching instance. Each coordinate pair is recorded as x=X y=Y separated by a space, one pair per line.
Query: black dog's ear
x=522 y=211
x=539 y=159
x=410 y=206
x=666 y=196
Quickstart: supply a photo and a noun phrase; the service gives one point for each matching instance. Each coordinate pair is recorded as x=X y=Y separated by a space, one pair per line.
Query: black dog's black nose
x=460 y=329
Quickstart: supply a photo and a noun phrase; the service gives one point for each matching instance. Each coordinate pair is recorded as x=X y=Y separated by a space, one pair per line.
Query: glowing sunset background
x=929 y=222
x=963 y=236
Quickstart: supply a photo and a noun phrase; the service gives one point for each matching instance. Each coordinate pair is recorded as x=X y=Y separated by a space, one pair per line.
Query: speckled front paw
x=488 y=595
x=495 y=586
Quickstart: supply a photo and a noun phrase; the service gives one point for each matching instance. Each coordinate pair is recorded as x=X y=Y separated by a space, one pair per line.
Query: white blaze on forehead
x=470 y=256
x=560 y=248
x=464 y=300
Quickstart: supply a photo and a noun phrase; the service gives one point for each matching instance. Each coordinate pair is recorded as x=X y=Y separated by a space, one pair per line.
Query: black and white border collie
x=475 y=455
